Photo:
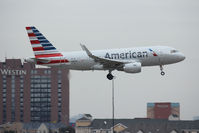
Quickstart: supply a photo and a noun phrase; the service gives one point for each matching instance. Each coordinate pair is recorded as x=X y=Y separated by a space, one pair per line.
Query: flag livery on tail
x=43 y=49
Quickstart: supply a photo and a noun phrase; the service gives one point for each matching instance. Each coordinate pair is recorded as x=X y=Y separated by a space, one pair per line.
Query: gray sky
x=102 y=24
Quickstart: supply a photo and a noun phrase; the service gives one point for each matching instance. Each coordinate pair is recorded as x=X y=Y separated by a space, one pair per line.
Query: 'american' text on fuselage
x=127 y=55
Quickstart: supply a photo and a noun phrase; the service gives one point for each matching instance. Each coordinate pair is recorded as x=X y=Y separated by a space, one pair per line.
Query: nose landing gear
x=162 y=73
x=161 y=69
x=110 y=76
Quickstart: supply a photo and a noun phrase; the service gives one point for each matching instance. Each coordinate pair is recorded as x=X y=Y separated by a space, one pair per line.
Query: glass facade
x=59 y=96
x=12 y=98
x=4 y=97
x=40 y=98
x=21 y=97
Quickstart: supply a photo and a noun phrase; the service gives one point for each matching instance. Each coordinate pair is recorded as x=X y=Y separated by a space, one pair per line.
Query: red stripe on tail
x=38 y=48
x=34 y=42
x=31 y=35
x=28 y=28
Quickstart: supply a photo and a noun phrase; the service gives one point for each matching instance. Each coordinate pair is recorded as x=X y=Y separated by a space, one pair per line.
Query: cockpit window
x=174 y=51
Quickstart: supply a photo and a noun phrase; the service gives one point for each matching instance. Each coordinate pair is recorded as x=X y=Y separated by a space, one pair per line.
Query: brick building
x=163 y=110
x=30 y=94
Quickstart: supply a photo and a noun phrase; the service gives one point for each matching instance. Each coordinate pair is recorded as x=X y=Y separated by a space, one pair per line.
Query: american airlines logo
x=12 y=72
x=127 y=55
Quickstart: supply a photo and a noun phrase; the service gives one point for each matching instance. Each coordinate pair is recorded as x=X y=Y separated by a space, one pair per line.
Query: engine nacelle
x=132 y=67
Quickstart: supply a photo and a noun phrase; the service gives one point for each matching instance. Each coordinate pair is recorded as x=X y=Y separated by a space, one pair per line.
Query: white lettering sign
x=12 y=72
x=162 y=106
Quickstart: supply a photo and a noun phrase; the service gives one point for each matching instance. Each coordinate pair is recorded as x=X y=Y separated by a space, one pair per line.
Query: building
x=42 y=127
x=138 y=125
x=15 y=126
x=163 y=111
x=30 y=94
x=196 y=118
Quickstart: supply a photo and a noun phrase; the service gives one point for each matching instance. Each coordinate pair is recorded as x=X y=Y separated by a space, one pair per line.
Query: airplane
x=129 y=60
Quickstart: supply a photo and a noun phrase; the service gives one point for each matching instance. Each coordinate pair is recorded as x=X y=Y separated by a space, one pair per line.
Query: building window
x=33 y=71
x=13 y=77
x=4 y=86
x=59 y=85
x=13 y=85
x=4 y=100
x=59 y=72
x=21 y=85
x=4 y=90
x=47 y=71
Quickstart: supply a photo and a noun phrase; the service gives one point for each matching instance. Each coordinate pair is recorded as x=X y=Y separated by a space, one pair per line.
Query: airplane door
x=74 y=60
x=160 y=57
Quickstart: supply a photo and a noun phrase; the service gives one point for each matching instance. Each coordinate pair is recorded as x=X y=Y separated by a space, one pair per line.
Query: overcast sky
x=103 y=24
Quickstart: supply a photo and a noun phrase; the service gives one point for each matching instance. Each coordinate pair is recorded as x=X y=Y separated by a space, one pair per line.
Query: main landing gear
x=162 y=72
x=110 y=76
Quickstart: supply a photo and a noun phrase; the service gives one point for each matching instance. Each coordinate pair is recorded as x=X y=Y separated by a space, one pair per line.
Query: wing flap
x=107 y=63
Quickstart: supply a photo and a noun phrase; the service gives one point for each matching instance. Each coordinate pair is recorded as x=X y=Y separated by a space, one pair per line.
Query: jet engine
x=132 y=67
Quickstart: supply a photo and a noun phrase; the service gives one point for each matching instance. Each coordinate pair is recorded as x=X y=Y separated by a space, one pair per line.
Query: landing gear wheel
x=110 y=76
x=161 y=69
x=162 y=73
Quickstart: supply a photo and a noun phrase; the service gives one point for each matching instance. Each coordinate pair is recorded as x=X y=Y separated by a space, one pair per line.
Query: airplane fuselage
x=147 y=56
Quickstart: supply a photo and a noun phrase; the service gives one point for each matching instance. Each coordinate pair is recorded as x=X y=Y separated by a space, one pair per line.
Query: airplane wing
x=107 y=63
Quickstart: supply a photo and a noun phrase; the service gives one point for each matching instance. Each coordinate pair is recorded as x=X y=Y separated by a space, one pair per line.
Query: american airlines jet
x=129 y=60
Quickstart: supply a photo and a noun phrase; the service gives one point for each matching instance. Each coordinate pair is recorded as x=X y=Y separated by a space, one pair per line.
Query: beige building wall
x=82 y=130
x=119 y=127
x=176 y=111
x=83 y=123
x=150 y=112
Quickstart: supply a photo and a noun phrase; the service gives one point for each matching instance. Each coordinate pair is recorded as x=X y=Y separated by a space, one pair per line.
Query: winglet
x=86 y=50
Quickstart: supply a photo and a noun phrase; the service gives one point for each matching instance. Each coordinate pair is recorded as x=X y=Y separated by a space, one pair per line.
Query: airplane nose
x=181 y=57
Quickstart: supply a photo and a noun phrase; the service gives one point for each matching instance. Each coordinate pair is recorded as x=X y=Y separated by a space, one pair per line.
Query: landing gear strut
x=162 y=72
x=110 y=76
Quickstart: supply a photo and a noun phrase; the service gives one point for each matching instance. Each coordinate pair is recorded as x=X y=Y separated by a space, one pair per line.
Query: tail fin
x=42 y=48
